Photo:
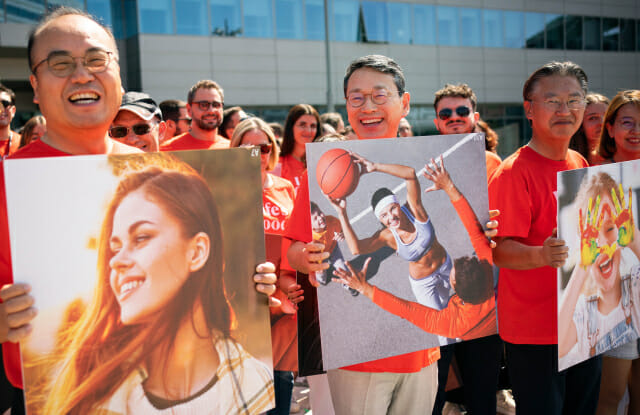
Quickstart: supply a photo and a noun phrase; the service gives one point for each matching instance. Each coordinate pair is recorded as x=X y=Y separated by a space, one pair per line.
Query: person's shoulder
x=37 y=148
x=281 y=182
x=576 y=160
x=174 y=142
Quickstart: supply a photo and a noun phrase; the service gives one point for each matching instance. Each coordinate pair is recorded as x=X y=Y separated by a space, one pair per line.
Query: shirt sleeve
x=299 y=224
x=474 y=229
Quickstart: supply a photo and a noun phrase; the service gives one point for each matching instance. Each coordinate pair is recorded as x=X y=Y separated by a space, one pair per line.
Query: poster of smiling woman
x=599 y=286
x=411 y=266
x=141 y=267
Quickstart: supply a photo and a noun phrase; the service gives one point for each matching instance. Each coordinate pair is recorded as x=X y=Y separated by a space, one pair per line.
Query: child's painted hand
x=589 y=229
x=624 y=217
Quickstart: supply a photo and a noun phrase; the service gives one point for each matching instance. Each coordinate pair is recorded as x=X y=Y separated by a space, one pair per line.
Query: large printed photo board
x=598 y=288
x=411 y=232
x=141 y=267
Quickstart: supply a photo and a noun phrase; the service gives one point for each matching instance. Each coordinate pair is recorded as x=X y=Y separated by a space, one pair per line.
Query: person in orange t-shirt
x=9 y=140
x=204 y=105
x=471 y=312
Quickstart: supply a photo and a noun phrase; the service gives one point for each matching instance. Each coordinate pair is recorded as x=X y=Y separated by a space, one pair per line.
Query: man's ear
x=34 y=85
x=528 y=109
x=406 y=98
x=198 y=254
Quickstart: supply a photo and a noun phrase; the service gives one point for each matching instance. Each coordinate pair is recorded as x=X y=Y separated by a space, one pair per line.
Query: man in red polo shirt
x=76 y=82
x=205 y=102
x=374 y=88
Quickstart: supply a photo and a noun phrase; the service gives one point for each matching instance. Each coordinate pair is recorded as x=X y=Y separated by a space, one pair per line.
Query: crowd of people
x=75 y=76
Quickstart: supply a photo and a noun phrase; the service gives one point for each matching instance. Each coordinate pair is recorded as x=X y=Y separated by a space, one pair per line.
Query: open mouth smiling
x=84 y=98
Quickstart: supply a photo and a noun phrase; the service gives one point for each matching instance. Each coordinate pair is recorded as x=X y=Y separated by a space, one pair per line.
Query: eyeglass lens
x=446 y=113
x=121 y=131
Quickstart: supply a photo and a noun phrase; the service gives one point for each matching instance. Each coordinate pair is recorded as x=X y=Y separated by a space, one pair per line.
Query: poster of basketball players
x=403 y=222
x=599 y=286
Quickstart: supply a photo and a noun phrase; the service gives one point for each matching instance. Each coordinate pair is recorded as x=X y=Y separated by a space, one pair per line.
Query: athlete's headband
x=383 y=203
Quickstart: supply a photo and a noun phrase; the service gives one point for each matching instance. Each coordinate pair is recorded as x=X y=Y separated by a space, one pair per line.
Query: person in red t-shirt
x=374 y=88
x=79 y=98
x=301 y=127
x=528 y=251
x=9 y=140
x=277 y=204
x=204 y=105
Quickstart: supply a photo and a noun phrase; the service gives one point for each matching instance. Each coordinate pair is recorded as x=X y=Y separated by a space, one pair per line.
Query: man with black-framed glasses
x=9 y=140
x=205 y=104
x=139 y=122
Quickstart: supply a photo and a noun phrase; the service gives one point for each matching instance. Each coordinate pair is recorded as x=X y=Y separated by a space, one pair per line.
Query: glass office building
x=270 y=54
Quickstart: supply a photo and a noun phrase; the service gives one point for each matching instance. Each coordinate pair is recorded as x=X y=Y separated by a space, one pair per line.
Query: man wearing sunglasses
x=9 y=140
x=205 y=103
x=139 y=122
x=478 y=359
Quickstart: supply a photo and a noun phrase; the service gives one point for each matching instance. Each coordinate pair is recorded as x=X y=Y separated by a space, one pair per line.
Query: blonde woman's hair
x=255 y=123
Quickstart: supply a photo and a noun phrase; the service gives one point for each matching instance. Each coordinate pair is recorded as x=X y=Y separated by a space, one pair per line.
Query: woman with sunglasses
x=157 y=335
x=277 y=204
x=620 y=141
x=587 y=139
x=301 y=127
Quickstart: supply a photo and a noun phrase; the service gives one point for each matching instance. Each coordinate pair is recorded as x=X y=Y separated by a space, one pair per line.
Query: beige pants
x=364 y=393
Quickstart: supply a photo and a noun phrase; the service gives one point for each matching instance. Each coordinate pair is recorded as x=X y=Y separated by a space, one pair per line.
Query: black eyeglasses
x=265 y=148
x=62 y=64
x=446 y=113
x=121 y=131
x=6 y=104
x=204 y=105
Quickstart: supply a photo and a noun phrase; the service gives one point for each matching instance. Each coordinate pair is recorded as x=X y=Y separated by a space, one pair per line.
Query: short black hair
x=555 y=68
x=378 y=195
x=9 y=91
x=474 y=279
x=315 y=207
x=171 y=109
x=380 y=63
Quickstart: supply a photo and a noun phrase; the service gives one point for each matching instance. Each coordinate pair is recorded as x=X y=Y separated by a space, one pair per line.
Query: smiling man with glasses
x=139 y=122
x=9 y=140
x=205 y=103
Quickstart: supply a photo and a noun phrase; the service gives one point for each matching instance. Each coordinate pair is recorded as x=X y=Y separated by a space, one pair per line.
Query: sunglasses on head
x=6 y=104
x=446 y=113
x=121 y=132
x=265 y=148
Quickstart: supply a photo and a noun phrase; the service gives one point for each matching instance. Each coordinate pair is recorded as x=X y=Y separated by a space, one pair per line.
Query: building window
x=289 y=19
x=534 y=30
x=470 y=27
x=345 y=20
x=627 y=35
x=156 y=16
x=399 y=22
x=555 y=31
x=424 y=24
x=493 y=29
x=573 y=29
x=610 y=33
x=374 y=15
x=314 y=19
x=102 y=10
x=258 y=19
x=592 y=33
x=191 y=17
x=448 y=33
x=514 y=29
x=226 y=17
x=23 y=11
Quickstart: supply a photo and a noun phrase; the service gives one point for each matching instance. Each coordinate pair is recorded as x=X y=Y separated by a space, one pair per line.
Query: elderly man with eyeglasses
x=205 y=103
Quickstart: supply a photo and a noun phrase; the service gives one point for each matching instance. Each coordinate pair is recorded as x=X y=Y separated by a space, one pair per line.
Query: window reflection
x=375 y=21
x=493 y=29
x=191 y=17
x=257 y=18
x=314 y=19
x=24 y=11
x=514 y=29
x=102 y=10
x=573 y=29
x=534 y=30
x=610 y=33
x=289 y=19
x=470 y=27
x=448 y=26
x=155 y=16
x=627 y=35
x=424 y=24
x=399 y=22
x=555 y=31
x=592 y=33
x=345 y=20
x=226 y=18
